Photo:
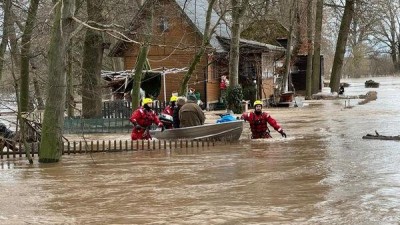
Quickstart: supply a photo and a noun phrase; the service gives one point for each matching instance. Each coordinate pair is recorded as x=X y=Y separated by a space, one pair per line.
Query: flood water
x=323 y=173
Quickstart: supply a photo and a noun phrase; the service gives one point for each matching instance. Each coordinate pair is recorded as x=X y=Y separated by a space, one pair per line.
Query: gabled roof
x=266 y=31
x=195 y=12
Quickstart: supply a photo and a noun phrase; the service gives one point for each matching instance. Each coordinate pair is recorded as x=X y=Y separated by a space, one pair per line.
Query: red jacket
x=222 y=85
x=144 y=118
x=169 y=110
x=258 y=124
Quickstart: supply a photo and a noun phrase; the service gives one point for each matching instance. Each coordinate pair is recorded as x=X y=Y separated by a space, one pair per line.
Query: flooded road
x=323 y=173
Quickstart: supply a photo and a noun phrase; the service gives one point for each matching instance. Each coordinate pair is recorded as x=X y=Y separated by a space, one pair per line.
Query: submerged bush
x=234 y=97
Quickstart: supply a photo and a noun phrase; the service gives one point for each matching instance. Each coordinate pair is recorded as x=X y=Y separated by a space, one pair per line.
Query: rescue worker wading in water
x=142 y=118
x=258 y=122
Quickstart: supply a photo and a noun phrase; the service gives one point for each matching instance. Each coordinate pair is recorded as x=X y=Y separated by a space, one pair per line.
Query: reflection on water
x=322 y=173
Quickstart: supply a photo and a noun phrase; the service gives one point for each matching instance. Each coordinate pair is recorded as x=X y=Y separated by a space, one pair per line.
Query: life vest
x=258 y=125
x=146 y=118
x=169 y=110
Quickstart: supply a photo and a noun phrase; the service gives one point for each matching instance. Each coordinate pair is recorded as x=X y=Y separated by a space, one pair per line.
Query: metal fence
x=123 y=109
x=100 y=125
x=115 y=119
x=117 y=109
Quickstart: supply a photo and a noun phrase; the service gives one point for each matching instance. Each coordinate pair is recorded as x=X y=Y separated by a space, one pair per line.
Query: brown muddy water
x=323 y=173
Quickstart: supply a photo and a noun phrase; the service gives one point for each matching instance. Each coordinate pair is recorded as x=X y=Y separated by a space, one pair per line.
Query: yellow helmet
x=147 y=101
x=173 y=98
x=257 y=102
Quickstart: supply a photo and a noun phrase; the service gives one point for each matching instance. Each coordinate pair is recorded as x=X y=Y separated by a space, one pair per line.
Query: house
x=272 y=31
x=177 y=31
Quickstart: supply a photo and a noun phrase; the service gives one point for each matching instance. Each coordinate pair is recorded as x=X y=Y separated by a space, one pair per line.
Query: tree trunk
x=188 y=74
x=13 y=41
x=142 y=59
x=316 y=72
x=394 y=42
x=53 y=120
x=238 y=10
x=341 y=45
x=234 y=47
x=25 y=51
x=397 y=67
x=288 y=54
x=393 y=56
x=92 y=63
x=69 y=103
x=38 y=94
x=4 y=38
x=239 y=7
x=196 y=59
x=309 y=49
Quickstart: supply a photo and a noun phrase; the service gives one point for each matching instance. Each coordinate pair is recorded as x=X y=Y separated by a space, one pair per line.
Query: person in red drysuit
x=142 y=118
x=169 y=110
x=258 y=122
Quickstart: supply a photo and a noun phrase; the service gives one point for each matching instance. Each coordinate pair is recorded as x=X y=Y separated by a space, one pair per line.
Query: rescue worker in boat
x=191 y=114
x=142 y=118
x=258 y=122
x=169 y=111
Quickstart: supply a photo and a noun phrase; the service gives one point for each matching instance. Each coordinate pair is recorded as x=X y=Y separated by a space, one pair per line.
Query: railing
x=83 y=147
x=123 y=109
x=115 y=119
x=117 y=109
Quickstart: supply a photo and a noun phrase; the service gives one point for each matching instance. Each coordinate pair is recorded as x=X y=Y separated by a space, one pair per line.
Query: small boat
x=377 y=136
x=371 y=84
x=228 y=131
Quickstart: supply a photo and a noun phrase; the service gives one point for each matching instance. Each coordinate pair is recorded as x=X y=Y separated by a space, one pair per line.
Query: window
x=217 y=67
x=164 y=25
x=267 y=66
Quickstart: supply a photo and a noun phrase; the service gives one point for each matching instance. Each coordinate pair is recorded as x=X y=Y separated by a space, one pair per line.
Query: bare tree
x=53 y=121
x=316 y=72
x=4 y=38
x=310 y=46
x=142 y=56
x=208 y=30
x=292 y=13
x=341 y=45
x=25 y=55
x=388 y=29
x=239 y=8
x=92 y=62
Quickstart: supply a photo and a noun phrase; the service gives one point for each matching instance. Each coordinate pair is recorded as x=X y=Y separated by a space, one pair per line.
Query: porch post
x=165 y=92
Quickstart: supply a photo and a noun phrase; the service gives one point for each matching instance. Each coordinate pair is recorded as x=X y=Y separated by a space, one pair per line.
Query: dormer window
x=164 y=26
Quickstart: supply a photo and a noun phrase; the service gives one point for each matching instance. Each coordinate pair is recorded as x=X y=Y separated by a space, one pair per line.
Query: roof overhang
x=248 y=46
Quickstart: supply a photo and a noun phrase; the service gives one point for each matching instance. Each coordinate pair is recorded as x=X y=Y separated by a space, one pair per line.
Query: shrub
x=234 y=97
